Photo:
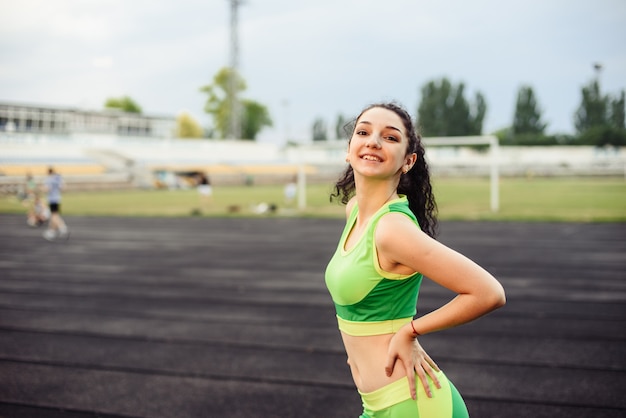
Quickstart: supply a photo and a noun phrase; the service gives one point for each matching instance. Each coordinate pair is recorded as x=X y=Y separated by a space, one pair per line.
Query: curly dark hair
x=415 y=184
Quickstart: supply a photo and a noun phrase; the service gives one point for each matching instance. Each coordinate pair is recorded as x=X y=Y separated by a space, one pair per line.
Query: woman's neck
x=371 y=196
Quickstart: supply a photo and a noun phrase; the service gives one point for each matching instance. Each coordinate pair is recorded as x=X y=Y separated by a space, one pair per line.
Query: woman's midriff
x=367 y=357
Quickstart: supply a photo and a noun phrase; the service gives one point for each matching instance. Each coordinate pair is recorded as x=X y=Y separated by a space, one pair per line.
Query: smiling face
x=378 y=147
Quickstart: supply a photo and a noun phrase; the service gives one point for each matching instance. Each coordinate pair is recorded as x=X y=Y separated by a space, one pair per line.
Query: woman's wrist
x=413 y=330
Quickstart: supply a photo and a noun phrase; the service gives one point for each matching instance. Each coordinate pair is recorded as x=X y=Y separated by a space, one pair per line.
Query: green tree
x=617 y=111
x=476 y=115
x=254 y=116
x=320 y=132
x=187 y=127
x=600 y=136
x=592 y=111
x=340 y=127
x=527 y=118
x=218 y=104
x=599 y=119
x=444 y=110
x=125 y=104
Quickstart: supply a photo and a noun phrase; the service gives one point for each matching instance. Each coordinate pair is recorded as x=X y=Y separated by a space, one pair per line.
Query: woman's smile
x=371 y=157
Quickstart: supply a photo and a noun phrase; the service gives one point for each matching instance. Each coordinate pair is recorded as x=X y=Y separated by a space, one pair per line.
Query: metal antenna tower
x=235 y=106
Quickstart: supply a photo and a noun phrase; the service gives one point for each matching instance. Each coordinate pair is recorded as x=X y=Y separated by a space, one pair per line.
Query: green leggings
x=394 y=401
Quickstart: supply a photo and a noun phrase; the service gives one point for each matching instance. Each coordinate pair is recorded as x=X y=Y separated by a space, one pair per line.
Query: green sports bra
x=368 y=300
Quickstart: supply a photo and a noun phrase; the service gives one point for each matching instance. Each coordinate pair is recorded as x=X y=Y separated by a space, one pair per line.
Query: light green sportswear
x=370 y=301
x=364 y=294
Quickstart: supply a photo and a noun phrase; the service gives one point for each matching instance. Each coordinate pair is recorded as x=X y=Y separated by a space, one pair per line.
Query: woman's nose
x=373 y=141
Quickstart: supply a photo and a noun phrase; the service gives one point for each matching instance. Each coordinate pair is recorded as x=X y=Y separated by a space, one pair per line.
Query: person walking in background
x=30 y=186
x=386 y=248
x=56 y=225
x=204 y=190
x=290 y=191
x=36 y=213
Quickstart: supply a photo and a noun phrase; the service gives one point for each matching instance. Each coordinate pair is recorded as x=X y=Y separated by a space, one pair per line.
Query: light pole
x=597 y=67
x=235 y=109
x=286 y=106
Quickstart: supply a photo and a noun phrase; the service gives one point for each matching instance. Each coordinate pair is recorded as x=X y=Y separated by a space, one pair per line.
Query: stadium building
x=114 y=149
x=39 y=119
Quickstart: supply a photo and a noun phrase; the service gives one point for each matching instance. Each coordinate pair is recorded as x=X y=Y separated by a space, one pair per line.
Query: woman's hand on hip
x=405 y=348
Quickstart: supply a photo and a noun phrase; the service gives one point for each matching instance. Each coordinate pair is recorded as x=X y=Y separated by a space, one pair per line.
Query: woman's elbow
x=492 y=297
x=498 y=297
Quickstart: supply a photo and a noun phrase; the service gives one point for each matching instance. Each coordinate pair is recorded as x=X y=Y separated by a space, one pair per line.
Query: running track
x=198 y=317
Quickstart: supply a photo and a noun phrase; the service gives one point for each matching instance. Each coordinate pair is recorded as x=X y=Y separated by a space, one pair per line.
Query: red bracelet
x=417 y=334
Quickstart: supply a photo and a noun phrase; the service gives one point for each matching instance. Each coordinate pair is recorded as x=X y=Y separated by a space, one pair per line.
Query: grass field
x=537 y=199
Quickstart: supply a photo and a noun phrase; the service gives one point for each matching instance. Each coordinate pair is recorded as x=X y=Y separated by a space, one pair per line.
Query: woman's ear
x=410 y=162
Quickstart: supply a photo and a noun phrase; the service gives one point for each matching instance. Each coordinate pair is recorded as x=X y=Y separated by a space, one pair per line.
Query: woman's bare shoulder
x=350 y=205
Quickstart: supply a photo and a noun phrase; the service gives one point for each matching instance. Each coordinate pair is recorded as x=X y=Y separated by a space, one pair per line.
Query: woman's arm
x=402 y=247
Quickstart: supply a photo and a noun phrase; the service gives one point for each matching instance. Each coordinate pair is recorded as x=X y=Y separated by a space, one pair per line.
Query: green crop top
x=368 y=300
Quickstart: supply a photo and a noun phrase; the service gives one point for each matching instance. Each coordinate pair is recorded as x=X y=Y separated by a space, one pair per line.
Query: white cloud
x=102 y=62
x=324 y=57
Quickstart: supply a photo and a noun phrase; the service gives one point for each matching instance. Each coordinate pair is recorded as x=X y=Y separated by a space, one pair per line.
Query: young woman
x=375 y=273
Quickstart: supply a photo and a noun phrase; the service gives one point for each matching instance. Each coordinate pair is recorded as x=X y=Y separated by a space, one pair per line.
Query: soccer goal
x=494 y=173
x=322 y=153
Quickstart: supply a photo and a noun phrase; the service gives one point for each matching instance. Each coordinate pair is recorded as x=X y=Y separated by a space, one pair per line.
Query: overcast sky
x=314 y=59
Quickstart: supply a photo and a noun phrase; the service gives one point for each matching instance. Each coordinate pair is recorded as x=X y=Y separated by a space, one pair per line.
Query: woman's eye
x=392 y=138
x=361 y=133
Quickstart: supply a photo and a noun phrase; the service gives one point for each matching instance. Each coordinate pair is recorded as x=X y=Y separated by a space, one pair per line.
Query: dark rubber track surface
x=202 y=317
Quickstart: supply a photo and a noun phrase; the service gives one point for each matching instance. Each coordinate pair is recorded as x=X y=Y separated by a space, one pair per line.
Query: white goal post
x=330 y=153
x=490 y=140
